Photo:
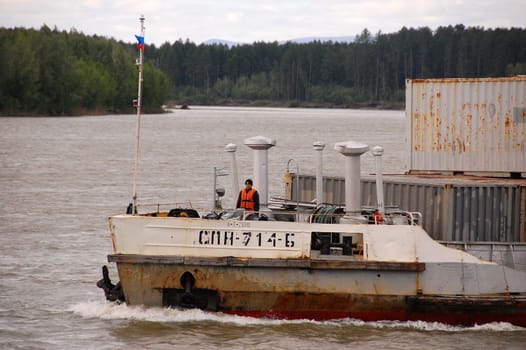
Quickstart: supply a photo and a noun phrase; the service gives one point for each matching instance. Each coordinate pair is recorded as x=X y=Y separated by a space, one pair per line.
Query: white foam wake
x=433 y=326
x=108 y=310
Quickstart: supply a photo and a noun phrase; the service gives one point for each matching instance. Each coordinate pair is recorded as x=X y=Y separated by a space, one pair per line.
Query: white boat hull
x=270 y=269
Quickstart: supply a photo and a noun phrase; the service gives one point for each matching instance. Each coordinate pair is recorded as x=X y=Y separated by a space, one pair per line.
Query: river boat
x=322 y=263
x=310 y=261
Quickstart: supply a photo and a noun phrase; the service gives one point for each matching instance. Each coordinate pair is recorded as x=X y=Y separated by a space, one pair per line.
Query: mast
x=138 y=104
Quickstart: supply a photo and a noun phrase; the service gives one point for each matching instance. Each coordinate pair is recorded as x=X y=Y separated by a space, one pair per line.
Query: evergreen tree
x=51 y=72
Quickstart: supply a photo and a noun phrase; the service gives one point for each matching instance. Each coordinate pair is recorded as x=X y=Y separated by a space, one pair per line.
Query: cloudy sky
x=255 y=20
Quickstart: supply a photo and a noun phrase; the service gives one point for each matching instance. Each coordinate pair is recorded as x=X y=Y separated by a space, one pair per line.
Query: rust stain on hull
x=303 y=292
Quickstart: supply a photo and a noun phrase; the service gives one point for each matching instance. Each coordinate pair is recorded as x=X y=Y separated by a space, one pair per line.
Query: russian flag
x=140 y=42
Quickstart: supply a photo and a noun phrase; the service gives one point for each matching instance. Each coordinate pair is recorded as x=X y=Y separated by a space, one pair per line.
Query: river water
x=60 y=178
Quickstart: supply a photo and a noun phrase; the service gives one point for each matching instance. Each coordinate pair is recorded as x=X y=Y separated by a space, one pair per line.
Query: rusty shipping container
x=454 y=208
x=460 y=125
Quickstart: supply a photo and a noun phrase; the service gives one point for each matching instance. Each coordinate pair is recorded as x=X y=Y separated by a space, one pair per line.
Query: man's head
x=248 y=183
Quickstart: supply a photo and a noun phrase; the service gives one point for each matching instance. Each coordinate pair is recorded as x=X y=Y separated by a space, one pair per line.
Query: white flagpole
x=138 y=126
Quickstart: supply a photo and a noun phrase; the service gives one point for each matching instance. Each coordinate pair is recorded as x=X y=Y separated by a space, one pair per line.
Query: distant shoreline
x=289 y=104
x=180 y=106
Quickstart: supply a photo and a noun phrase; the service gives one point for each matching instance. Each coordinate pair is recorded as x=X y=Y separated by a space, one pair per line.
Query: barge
x=305 y=262
x=317 y=261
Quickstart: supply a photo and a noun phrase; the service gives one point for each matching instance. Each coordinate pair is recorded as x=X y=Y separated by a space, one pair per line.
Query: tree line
x=61 y=73
x=51 y=72
x=369 y=71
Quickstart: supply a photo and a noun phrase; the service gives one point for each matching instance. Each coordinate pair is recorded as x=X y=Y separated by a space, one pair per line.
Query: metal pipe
x=378 y=151
x=260 y=145
x=260 y=170
x=231 y=148
x=297 y=181
x=214 y=201
x=319 y=146
x=352 y=187
x=218 y=192
x=352 y=152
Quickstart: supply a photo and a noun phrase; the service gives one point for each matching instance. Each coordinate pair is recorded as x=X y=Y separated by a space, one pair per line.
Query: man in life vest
x=248 y=198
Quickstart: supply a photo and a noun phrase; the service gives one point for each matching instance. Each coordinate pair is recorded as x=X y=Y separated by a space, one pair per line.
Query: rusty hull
x=311 y=291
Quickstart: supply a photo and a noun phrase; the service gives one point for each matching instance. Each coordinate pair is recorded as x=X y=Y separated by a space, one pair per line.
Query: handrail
x=326 y=214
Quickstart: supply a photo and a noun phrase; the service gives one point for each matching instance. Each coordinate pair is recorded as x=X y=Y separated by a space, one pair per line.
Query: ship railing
x=163 y=209
x=263 y=215
x=392 y=215
x=326 y=213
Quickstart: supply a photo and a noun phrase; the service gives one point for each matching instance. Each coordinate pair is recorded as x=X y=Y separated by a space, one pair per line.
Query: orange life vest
x=247 y=199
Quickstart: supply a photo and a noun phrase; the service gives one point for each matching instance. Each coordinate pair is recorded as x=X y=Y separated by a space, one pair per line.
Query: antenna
x=138 y=105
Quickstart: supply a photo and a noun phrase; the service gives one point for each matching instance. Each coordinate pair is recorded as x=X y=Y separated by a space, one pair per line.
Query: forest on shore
x=52 y=72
